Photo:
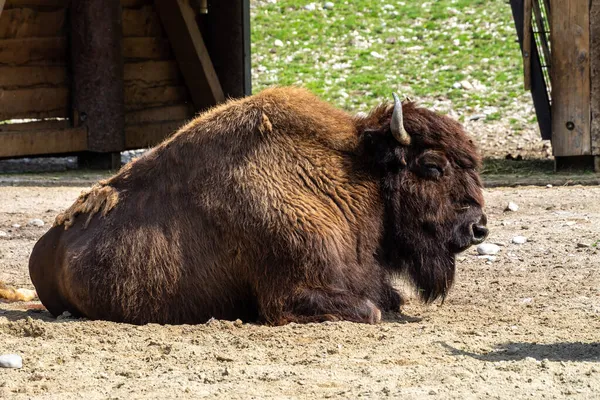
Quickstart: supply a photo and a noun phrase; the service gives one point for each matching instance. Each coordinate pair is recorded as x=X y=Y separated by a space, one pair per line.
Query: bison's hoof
x=374 y=313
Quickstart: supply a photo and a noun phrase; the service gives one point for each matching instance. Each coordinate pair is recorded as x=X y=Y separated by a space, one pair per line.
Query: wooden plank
x=2 y=6
x=141 y=22
x=179 y=21
x=226 y=31
x=97 y=64
x=527 y=39
x=34 y=103
x=148 y=135
x=47 y=125
x=595 y=76
x=26 y=143
x=570 y=73
x=34 y=51
x=152 y=73
x=18 y=23
x=24 y=77
x=159 y=114
x=135 y=3
x=37 y=3
x=146 y=48
x=138 y=97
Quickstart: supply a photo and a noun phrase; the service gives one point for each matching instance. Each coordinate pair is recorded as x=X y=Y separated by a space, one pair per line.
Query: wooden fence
x=95 y=77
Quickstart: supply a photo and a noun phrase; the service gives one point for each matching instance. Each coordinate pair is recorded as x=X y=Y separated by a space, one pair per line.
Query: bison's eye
x=432 y=171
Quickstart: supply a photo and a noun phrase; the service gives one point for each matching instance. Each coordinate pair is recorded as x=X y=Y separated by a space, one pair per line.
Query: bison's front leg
x=318 y=305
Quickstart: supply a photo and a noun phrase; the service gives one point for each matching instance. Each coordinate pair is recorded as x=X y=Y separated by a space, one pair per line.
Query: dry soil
x=525 y=325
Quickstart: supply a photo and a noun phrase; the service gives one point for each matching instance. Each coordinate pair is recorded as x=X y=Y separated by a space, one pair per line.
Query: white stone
x=519 y=239
x=488 y=249
x=377 y=55
x=278 y=43
x=36 y=222
x=466 y=85
x=456 y=85
x=548 y=186
x=310 y=7
x=11 y=361
x=328 y=5
x=3 y=234
x=511 y=206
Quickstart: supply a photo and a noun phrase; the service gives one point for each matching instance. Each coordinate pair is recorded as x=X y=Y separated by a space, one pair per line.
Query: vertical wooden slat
x=179 y=21
x=595 y=75
x=2 y=2
x=226 y=30
x=570 y=38
x=97 y=64
x=527 y=44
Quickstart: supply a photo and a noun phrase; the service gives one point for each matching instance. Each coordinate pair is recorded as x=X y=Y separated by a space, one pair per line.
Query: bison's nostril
x=480 y=232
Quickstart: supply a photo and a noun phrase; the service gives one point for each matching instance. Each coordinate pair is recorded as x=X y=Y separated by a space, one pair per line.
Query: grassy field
x=458 y=56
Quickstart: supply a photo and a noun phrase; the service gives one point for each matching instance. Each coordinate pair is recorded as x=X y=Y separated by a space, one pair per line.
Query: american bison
x=273 y=208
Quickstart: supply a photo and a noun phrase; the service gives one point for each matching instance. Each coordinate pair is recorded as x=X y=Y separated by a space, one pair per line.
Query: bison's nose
x=480 y=231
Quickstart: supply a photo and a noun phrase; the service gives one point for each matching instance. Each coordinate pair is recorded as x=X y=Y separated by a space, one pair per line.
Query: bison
x=274 y=208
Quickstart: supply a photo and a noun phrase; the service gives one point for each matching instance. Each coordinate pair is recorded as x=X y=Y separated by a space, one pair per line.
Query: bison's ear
x=381 y=151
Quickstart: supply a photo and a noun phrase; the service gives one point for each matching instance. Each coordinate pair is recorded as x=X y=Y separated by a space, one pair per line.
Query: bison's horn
x=397 y=124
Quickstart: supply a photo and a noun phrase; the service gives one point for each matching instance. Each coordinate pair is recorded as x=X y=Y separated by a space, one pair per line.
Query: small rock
x=328 y=5
x=310 y=7
x=278 y=43
x=511 y=206
x=36 y=222
x=519 y=239
x=583 y=245
x=11 y=361
x=456 y=85
x=477 y=117
x=548 y=186
x=3 y=234
x=238 y=323
x=466 y=85
x=377 y=55
x=488 y=249
x=16 y=226
x=527 y=300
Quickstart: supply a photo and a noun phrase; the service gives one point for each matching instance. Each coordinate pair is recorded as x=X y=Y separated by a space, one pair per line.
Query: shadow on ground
x=514 y=351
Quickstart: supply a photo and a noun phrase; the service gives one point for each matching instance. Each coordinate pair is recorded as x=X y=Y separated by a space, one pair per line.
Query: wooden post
x=179 y=20
x=226 y=30
x=97 y=64
x=595 y=78
x=2 y=6
x=570 y=73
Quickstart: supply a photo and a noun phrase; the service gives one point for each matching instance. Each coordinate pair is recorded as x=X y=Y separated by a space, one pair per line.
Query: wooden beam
x=527 y=39
x=595 y=76
x=24 y=77
x=34 y=103
x=28 y=22
x=146 y=48
x=97 y=64
x=37 y=3
x=27 y=143
x=159 y=114
x=226 y=30
x=178 y=19
x=33 y=51
x=570 y=73
x=2 y=2
x=46 y=125
x=148 y=135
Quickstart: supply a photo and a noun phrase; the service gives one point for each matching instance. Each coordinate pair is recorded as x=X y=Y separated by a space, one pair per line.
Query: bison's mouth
x=469 y=234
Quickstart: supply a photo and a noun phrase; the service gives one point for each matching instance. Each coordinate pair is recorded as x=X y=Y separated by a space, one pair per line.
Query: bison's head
x=431 y=189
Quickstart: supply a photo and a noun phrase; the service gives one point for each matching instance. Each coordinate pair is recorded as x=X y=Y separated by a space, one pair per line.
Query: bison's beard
x=432 y=274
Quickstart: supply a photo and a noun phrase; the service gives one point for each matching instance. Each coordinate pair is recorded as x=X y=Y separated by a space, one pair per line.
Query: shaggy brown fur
x=276 y=208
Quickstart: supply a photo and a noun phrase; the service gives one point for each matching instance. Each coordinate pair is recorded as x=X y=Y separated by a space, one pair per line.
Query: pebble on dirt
x=36 y=222
x=519 y=239
x=511 y=206
x=488 y=249
x=3 y=234
x=11 y=361
x=328 y=6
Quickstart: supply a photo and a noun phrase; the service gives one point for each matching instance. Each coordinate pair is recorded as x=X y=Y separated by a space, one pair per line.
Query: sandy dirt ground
x=525 y=325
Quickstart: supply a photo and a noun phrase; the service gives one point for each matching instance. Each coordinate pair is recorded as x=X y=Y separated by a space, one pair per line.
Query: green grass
x=356 y=54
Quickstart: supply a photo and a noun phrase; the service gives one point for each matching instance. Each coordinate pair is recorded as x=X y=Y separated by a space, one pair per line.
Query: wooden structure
x=96 y=77
x=560 y=40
